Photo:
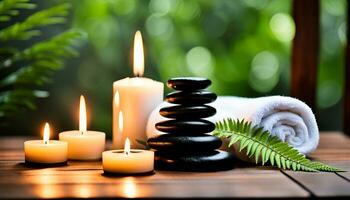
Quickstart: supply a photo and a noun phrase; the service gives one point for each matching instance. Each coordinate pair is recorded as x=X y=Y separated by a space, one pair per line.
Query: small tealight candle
x=84 y=144
x=45 y=151
x=128 y=161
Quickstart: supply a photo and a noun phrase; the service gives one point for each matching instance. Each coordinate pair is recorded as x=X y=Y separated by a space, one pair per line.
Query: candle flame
x=127 y=146
x=46 y=136
x=139 y=63
x=82 y=115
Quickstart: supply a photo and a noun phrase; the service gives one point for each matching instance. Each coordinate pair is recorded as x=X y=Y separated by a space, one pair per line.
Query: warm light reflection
x=127 y=146
x=116 y=99
x=49 y=191
x=83 y=191
x=82 y=115
x=129 y=188
x=120 y=123
x=46 y=136
x=47 y=183
x=139 y=64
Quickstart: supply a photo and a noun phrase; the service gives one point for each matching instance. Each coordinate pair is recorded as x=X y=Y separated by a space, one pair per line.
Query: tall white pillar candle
x=133 y=101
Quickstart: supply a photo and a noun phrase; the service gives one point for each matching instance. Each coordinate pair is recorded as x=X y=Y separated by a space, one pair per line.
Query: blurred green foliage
x=24 y=69
x=243 y=46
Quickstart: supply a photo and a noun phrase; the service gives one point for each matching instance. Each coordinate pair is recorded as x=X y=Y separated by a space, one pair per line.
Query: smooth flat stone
x=187 y=112
x=188 y=83
x=171 y=142
x=185 y=127
x=191 y=98
x=216 y=160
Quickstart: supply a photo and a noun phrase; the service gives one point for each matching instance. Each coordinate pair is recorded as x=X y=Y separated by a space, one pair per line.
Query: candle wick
x=82 y=132
x=137 y=75
x=45 y=142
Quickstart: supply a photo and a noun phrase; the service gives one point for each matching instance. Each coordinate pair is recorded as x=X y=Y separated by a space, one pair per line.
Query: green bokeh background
x=243 y=46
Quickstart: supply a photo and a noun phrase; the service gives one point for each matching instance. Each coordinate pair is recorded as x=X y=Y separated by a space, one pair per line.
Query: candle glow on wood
x=82 y=115
x=139 y=63
x=46 y=136
x=129 y=187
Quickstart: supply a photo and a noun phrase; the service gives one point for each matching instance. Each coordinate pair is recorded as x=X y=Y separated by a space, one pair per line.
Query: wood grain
x=86 y=179
x=305 y=51
x=334 y=146
x=334 y=149
x=322 y=184
x=234 y=183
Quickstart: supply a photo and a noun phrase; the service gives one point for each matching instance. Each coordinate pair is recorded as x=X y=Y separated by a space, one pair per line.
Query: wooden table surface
x=86 y=179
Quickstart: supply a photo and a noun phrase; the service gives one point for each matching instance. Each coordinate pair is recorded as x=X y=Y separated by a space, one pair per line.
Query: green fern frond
x=9 y=8
x=60 y=45
x=27 y=29
x=42 y=58
x=24 y=70
x=48 y=56
x=267 y=148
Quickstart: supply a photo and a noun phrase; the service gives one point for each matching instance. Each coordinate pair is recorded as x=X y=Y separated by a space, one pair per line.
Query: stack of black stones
x=188 y=146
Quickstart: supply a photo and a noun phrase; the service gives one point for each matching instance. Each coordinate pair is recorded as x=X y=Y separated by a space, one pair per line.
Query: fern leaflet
x=267 y=148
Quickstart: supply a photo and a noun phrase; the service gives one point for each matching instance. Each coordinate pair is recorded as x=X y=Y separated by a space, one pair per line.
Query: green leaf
x=257 y=153
x=143 y=143
x=9 y=8
x=261 y=144
x=26 y=29
x=24 y=71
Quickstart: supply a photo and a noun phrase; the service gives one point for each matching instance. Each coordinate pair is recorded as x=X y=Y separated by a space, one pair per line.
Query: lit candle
x=134 y=99
x=45 y=151
x=84 y=144
x=128 y=161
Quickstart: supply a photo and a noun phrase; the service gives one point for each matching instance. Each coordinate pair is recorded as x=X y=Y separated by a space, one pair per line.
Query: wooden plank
x=322 y=184
x=333 y=146
x=12 y=143
x=334 y=149
x=86 y=179
x=334 y=140
x=347 y=77
x=305 y=51
x=11 y=155
x=240 y=182
x=128 y=189
x=345 y=165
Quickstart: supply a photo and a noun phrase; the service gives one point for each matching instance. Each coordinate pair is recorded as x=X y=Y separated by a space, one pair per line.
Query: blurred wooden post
x=305 y=51
x=347 y=77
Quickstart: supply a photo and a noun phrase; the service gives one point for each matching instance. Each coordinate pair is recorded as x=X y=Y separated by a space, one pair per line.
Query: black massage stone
x=215 y=160
x=171 y=142
x=189 y=83
x=191 y=98
x=187 y=146
x=187 y=112
x=185 y=127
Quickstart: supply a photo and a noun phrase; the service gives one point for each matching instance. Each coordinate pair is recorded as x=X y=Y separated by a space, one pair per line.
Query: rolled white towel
x=288 y=118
